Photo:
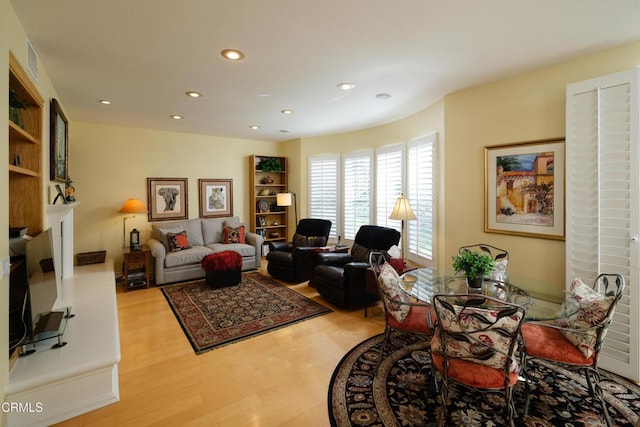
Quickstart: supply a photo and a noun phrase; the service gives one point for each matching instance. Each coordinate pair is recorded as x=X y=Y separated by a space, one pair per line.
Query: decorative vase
x=267 y=180
x=475 y=282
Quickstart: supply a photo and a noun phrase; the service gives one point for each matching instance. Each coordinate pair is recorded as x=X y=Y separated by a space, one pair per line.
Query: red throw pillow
x=178 y=241
x=233 y=235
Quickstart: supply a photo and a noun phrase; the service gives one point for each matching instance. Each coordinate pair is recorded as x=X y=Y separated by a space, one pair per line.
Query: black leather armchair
x=292 y=261
x=340 y=278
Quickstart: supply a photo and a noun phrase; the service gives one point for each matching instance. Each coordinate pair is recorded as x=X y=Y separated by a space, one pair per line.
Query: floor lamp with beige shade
x=402 y=211
x=131 y=206
x=285 y=199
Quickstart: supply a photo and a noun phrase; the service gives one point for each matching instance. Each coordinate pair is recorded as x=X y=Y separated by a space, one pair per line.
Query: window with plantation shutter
x=357 y=185
x=421 y=175
x=603 y=202
x=389 y=183
x=324 y=191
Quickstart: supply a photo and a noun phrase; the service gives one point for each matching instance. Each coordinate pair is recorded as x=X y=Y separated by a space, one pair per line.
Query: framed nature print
x=524 y=189
x=59 y=137
x=216 y=197
x=167 y=198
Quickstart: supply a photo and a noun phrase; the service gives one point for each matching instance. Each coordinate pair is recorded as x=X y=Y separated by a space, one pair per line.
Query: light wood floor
x=277 y=379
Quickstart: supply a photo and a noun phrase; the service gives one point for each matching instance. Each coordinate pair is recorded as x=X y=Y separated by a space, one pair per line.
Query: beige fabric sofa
x=205 y=237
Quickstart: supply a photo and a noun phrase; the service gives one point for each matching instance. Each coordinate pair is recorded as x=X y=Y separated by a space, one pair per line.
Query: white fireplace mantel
x=60 y=219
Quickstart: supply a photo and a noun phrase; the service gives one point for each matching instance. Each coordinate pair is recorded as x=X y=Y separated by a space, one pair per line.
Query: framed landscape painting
x=524 y=189
x=167 y=198
x=216 y=197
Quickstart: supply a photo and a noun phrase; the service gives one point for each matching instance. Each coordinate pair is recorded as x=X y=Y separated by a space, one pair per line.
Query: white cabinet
x=602 y=202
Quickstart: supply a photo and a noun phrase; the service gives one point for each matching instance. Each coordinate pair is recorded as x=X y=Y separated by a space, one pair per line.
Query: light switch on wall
x=6 y=267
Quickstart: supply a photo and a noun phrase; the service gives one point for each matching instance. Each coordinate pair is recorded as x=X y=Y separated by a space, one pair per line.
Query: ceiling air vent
x=32 y=60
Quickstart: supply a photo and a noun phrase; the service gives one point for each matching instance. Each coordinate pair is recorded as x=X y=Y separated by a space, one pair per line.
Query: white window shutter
x=324 y=189
x=357 y=184
x=421 y=175
x=603 y=202
x=389 y=183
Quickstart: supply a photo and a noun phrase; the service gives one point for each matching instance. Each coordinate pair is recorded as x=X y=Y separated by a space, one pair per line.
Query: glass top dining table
x=542 y=301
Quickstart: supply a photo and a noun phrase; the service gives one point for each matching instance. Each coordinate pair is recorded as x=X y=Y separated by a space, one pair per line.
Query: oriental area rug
x=402 y=393
x=216 y=317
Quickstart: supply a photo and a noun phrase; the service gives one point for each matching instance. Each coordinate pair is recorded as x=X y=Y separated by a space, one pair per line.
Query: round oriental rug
x=402 y=393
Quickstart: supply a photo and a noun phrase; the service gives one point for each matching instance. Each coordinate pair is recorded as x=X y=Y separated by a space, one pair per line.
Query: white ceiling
x=143 y=55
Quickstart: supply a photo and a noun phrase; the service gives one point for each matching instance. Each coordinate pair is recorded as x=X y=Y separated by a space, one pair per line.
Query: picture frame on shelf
x=167 y=199
x=60 y=194
x=59 y=143
x=262 y=221
x=216 y=197
x=524 y=189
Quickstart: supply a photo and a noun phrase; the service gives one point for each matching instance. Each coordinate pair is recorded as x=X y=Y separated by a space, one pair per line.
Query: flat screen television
x=20 y=320
x=43 y=280
x=34 y=287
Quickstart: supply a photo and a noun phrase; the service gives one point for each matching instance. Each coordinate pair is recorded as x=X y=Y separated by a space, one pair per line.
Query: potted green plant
x=268 y=164
x=474 y=266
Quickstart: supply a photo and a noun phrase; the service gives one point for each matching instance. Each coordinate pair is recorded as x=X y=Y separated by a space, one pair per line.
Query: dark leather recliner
x=340 y=278
x=292 y=261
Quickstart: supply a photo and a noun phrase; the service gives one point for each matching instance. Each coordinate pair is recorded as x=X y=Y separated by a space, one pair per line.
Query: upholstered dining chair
x=400 y=313
x=474 y=344
x=575 y=339
x=500 y=256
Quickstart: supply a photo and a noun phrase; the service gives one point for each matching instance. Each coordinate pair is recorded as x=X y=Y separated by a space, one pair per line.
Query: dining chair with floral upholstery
x=474 y=344
x=574 y=340
x=400 y=313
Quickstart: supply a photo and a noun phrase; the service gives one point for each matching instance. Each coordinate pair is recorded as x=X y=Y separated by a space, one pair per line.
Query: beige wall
x=110 y=164
x=526 y=107
x=5 y=25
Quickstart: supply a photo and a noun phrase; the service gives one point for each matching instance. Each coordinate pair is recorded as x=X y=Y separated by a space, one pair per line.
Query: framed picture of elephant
x=216 y=197
x=167 y=199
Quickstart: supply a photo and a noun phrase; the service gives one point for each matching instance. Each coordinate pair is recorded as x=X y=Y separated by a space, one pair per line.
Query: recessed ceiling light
x=232 y=54
x=383 y=96
x=346 y=86
x=254 y=127
x=176 y=116
x=105 y=102
x=286 y=111
x=284 y=131
x=193 y=94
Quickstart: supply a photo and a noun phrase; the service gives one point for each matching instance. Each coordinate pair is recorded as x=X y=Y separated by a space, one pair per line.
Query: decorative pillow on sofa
x=592 y=310
x=178 y=241
x=233 y=234
x=300 y=241
x=389 y=283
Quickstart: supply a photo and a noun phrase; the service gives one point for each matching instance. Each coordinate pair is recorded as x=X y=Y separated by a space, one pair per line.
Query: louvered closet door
x=602 y=202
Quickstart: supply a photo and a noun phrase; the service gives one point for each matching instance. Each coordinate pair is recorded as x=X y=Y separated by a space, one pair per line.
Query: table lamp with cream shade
x=402 y=211
x=131 y=206
x=288 y=199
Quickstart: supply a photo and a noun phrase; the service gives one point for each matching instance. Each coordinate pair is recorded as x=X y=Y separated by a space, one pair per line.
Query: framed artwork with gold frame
x=524 y=189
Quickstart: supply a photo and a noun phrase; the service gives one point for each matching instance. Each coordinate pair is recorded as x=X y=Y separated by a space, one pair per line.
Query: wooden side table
x=136 y=268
